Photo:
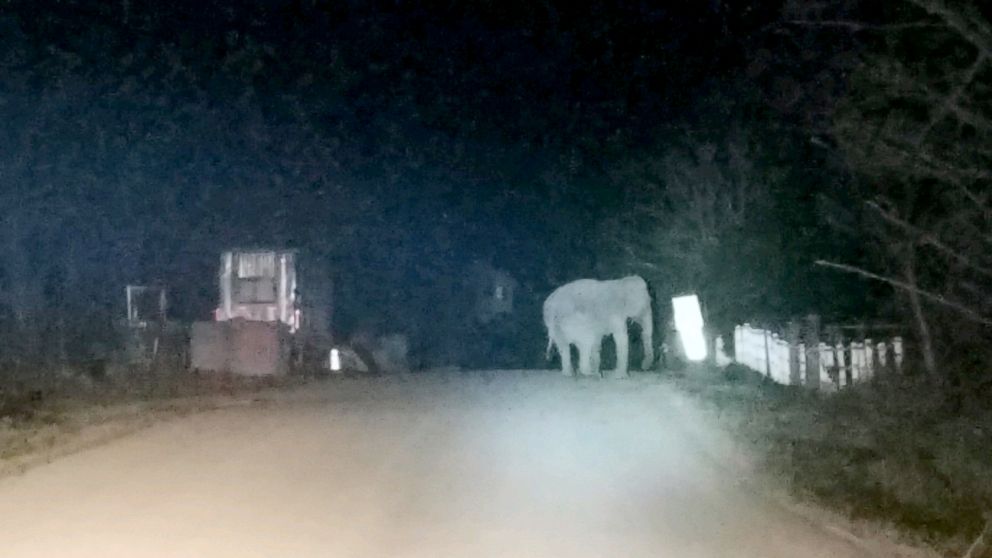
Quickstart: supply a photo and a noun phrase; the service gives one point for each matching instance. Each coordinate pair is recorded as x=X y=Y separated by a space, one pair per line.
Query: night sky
x=397 y=141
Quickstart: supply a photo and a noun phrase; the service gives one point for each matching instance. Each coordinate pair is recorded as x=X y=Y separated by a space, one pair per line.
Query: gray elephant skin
x=582 y=312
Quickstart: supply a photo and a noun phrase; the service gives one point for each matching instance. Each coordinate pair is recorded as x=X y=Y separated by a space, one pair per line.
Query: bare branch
x=980 y=122
x=981 y=202
x=640 y=261
x=857 y=26
x=648 y=265
x=972 y=29
x=925 y=164
x=942 y=169
x=950 y=101
x=928 y=238
x=983 y=296
x=960 y=308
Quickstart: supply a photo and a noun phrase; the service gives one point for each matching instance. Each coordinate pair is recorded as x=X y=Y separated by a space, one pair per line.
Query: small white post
x=740 y=347
x=784 y=362
x=737 y=344
x=857 y=362
x=767 y=361
x=821 y=349
x=127 y=294
x=163 y=305
x=774 y=355
x=828 y=361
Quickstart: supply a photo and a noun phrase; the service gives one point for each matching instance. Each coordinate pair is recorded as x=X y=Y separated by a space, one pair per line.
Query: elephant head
x=584 y=311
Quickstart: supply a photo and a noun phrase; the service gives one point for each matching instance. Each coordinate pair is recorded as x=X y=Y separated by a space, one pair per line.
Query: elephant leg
x=623 y=350
x=594 y=357
x=647 y=330
x=586 y=358
x=565 y=351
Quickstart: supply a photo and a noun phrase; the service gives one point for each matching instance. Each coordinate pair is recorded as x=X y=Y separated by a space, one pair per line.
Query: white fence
x=840 y=365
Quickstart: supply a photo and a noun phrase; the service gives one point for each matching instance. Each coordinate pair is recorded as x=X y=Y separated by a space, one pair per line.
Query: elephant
x=586 y=334
x=586 y=310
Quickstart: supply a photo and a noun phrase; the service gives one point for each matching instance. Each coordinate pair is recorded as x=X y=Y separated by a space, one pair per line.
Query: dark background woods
x=716 y=147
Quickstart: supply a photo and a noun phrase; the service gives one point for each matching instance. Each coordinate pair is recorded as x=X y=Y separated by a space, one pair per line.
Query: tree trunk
x=922 y=327
x=812 y=339
x=794 y=337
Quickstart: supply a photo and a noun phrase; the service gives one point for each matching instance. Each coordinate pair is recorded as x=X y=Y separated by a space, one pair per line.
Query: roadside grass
x=893 y=453
x=48 y=415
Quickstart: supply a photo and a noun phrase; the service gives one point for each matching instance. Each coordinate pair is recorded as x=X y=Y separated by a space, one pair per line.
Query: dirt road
x=515 y=464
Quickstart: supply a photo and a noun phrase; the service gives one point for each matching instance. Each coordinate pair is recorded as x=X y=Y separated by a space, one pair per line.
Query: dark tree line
x=400 y=142
x=704 y=147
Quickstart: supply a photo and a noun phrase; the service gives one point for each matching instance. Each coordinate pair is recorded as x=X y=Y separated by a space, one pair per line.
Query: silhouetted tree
x=914 y=127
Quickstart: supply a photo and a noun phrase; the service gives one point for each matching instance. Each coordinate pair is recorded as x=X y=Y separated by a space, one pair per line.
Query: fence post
x=773 y=368
x=737 y=344
x=741 y=349
x=827 y=363
x=768 y=363
x=857 y=361
x=792 y=336
x=813 y=351
x=842 y=365
x=832 y=335
x=802 y=364
x=870 y=368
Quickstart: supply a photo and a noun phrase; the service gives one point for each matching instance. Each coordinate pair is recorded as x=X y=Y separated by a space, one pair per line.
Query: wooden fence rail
x=791 y=362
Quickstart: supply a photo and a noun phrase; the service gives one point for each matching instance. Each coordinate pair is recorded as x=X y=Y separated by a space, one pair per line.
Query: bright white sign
x=689 y=324
x=335 y=360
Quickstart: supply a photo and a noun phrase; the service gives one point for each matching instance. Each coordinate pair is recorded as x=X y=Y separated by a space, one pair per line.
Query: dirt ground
x=510 y=463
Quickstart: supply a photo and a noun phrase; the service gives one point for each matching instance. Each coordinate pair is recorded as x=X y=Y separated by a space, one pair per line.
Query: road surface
x=514 y=464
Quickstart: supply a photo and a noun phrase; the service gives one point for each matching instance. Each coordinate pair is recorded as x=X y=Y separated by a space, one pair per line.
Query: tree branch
x=980 y=202
x=950 y=101
x=971 y=29
x=857 y=26
x=981 y=294
x=960 y=308
x=928 y=238
x=922 y=162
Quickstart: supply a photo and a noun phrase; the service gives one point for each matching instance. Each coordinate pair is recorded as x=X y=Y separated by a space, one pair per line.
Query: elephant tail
x=547 y=352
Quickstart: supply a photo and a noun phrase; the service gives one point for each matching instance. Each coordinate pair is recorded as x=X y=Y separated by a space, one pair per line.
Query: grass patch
x=889 y=452
x=44 y=415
